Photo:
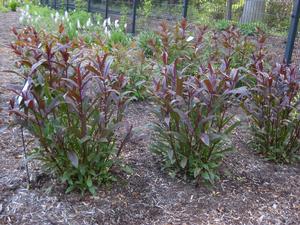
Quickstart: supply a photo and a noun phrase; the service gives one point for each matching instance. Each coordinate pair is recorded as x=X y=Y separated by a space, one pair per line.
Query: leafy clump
x=193 y=117
x=251 y=29
x=192 y=45
x=273 y=109
x=73 y=103
x=13 y=5
x=223 y=24
x=278 y=15
x=145 y=39
x=133 y=63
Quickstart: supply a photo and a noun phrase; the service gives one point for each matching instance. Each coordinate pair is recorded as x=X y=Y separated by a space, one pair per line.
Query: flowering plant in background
x=115 y=34
x=112 y=27
x=76 y=23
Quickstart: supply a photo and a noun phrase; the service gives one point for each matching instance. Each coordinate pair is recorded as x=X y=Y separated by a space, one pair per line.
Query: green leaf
x=183 y=162
x=85 y=139
x=70 y=188
x=82 y=170
x=170 y=154
x=92 y=190
x=206 y=176
x=89 y=182
x=65 y=177
x=205 y=166
x=197 y=172
x=127 y=169
x=232 y=127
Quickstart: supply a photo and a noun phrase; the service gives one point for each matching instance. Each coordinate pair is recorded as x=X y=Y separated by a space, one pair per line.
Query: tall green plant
x=81 y=5
x=147 y=8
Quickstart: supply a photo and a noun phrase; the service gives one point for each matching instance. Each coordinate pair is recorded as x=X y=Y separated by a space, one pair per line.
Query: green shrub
x=73 y=105
x=223 y=24
x=211 y=9
x=81 y=5
x=191 y=134
x=13 y=5
x=251 y=29
x=124 y=14
x=147 y=8
x=131 y=61
x=273 y=109
x=81 y=16
x=118 y=37
x=148 y=40
x=3 y=9
x=278 y=14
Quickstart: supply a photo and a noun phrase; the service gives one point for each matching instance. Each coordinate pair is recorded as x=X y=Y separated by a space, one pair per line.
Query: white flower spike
x=104 y=23
x=78 y=24
x=190 y=38
x=117 y=24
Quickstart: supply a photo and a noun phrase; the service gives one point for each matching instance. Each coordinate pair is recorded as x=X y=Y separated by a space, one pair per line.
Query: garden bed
x=251 y=190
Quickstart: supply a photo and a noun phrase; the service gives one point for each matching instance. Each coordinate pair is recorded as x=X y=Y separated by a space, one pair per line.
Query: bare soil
x=251 y=190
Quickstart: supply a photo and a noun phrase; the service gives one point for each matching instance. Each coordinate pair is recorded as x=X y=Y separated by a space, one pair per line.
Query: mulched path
x=251 y=191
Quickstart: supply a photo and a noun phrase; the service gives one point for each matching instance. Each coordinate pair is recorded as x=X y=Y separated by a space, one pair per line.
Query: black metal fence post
x=229 y=10
x=106 y=9
x=185 y=8
x=54 y=4
x=292 y=32
x=67 y=5
x=89 y=5
x=135 y=2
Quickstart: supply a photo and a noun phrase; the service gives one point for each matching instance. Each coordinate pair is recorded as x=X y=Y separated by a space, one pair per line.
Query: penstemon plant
x=194 y=118
x=73 y=104
x=273 y=109
x=192 y=45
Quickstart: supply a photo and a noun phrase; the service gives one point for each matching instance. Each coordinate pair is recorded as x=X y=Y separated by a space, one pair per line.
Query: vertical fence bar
x=106 y=9
x=135 y=2
x=67 y=5
x=54 y=4
x=229 y=10
x=89 y=5
x=292 y=32
x=185 y=8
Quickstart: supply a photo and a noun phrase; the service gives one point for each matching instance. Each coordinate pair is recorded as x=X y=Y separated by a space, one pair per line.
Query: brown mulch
x=251 y=190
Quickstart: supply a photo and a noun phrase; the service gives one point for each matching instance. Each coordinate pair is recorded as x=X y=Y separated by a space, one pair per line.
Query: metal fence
x=131 y=10
x=275 y=15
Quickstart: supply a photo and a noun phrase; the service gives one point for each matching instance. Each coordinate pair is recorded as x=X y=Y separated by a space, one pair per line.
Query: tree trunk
x=253 y=11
